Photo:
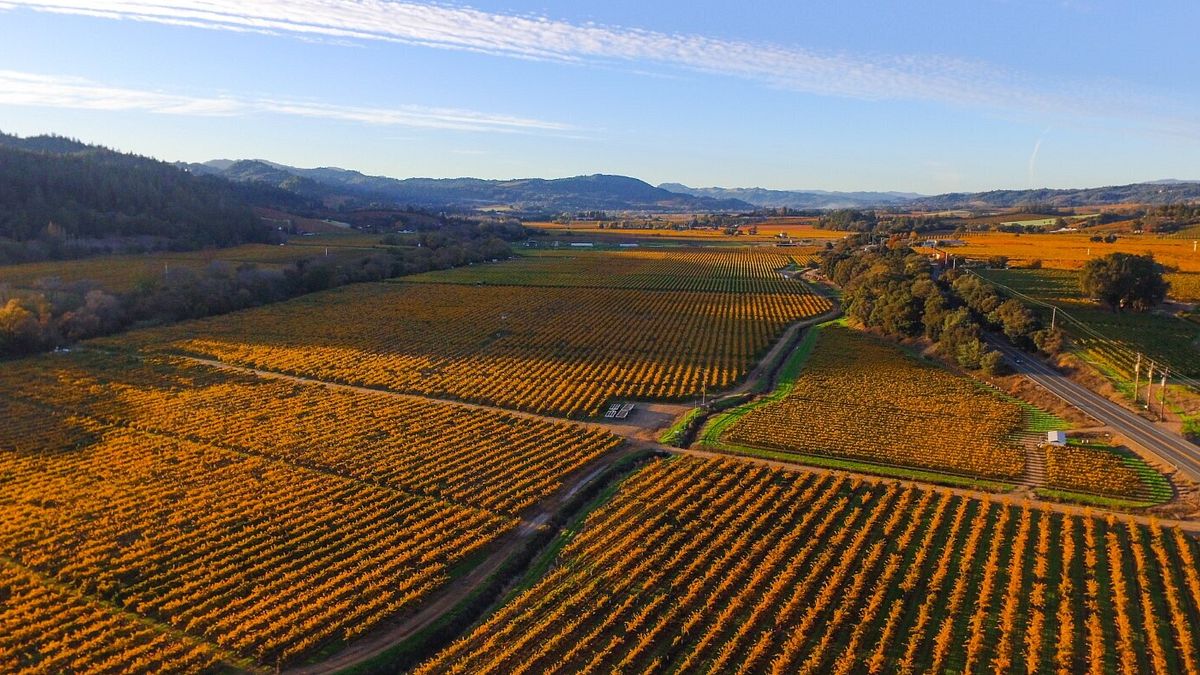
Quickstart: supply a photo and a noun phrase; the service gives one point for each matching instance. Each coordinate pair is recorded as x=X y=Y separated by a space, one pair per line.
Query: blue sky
x=917 y=96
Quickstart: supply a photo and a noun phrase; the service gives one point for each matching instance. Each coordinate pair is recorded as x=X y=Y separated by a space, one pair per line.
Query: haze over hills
x=1157 y=192
x=797 y=199
x=1152 y=193
x=594 y=192
x=601 y=192
x=123 y=195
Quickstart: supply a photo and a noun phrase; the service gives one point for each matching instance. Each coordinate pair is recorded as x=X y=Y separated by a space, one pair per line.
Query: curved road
x=1169 y=446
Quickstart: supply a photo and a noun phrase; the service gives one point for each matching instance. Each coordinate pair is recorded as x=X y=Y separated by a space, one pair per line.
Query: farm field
x=1097 y=469
x=430 y=448
x=188 y=516
x=1185 y=287
x=861 y=398
x=494 y=345
x=1071 y=250
x=123 y=273
x=714 y=270
x=1114 y=338
x=720 y=566
x=794 y=227
x=162 y=514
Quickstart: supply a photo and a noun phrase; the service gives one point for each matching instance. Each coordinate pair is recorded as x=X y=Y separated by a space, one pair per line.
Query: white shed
x=1058 y=438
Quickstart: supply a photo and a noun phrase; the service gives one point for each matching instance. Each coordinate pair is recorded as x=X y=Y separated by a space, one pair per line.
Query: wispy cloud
x=838 y=74
x=852 y=75
x=17 y=88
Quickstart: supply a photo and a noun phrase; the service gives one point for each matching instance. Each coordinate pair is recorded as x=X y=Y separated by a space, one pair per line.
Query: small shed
x=1057 y=438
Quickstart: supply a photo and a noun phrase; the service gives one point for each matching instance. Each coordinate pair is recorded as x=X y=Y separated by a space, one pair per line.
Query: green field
x=726 y=270
x=1109 y=340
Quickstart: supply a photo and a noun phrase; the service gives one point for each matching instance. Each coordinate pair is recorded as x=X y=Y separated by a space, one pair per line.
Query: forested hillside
x=61 y=198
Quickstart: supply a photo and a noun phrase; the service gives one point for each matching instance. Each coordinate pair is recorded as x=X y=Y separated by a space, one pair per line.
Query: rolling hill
x=579 y=193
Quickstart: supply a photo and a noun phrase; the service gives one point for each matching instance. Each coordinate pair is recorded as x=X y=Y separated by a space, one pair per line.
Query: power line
x=1114 y=347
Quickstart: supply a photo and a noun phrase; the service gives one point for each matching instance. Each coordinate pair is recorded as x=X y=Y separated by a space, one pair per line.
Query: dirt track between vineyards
x=393 y=633
x=640 y=433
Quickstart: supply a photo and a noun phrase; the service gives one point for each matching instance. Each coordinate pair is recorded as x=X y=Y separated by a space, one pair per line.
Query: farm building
x=1056 y=438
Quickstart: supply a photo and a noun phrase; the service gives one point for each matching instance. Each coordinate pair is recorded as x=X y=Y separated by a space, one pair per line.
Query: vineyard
x=189 y=511
x=861 y=398
x=479 y=458
x=1114 y=338
x=1070 y=251
x=40 y=632
x=498 y=345
x=123 y=273
x=1184 y=287
x=710 y=270
x=1101 y=470
x=260 y=557
x=796 y=227
x=725 y=567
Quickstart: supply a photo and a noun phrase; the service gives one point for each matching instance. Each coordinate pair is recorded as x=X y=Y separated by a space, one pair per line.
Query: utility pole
x=1162 y=396
x=1150 y=385
x=704 y=394
x=1053 y=316
x=1137 y=371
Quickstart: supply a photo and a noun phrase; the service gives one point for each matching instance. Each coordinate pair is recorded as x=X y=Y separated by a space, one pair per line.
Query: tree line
x=895 y=291
x=56 y=314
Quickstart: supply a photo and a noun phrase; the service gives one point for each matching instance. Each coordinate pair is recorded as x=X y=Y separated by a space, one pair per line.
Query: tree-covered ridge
x=55 y=192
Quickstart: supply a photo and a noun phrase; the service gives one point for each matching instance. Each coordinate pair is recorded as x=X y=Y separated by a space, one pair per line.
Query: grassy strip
x=858 y=466
x=1036 y=419
x=1157 y=486
x=485 y=599
x=675 y=434
x=711 y=434
x=1091 y=500
x=1157 y=489
x=1191 y=428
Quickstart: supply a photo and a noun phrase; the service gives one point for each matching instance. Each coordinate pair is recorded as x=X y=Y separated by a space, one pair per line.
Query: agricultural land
x=427 y=474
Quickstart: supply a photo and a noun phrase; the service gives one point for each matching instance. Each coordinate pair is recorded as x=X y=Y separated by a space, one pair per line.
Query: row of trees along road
x=894 y=290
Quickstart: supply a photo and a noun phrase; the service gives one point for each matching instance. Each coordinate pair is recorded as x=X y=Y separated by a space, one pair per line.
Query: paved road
x=1171 y=447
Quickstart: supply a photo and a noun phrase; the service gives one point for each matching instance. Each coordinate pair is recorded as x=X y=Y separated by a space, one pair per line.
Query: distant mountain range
x=797 y=199
x=1166 y=191
x=1153 y=193
x=54 y=179
x=582 y=193
x=341 y=187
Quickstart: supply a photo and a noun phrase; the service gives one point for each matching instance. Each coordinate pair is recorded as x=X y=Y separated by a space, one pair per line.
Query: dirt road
x=389 y=635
